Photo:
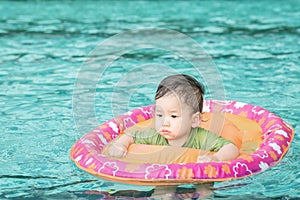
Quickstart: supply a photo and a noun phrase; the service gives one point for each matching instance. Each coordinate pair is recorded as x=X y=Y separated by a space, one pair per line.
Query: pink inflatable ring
x=265 y=138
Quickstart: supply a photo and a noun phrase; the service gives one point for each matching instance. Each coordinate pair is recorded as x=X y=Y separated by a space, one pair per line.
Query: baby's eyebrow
x=174 y=110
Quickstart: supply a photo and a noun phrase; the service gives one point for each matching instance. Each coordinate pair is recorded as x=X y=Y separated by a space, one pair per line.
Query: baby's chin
x=167 y=135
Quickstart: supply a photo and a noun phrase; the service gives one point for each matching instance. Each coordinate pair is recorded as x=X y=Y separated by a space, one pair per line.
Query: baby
x=178 y=108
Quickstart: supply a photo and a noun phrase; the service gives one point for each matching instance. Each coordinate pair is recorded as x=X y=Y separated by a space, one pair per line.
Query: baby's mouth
x=164 y=131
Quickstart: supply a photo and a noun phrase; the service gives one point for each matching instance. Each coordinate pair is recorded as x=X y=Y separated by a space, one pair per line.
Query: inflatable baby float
x=262 y=137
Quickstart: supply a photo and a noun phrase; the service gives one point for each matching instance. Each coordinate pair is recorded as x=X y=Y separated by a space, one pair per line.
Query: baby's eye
x=159 y=115
x=174 y=116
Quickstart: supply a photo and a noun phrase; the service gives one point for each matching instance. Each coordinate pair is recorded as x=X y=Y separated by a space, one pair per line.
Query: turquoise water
x=43 y=47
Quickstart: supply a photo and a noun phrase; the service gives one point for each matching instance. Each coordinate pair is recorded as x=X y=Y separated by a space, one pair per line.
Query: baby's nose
x=166 y=122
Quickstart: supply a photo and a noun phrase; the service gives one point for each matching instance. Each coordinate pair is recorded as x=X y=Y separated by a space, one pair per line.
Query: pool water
x=44 y=46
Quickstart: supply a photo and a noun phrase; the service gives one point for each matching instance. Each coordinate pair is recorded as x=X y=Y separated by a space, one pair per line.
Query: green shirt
x=199 y=138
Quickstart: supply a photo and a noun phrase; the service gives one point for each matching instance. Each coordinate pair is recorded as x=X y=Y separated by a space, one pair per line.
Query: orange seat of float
x=244 y=133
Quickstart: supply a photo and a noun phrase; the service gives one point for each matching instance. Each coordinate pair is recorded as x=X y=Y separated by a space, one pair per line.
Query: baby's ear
x=196 y=120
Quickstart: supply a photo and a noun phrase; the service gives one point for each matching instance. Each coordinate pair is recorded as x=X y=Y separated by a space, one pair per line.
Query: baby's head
x=185 y=87
x=179 y=102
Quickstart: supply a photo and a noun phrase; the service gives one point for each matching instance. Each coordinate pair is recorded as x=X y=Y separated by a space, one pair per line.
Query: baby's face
x=173 y=119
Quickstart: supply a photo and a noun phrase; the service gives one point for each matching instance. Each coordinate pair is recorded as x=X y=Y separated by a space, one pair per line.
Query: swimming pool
x=255 y=48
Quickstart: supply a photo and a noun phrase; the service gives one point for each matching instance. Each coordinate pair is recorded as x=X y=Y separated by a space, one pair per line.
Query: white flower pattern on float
x=272 y=115
x=89 y=161
x=275 y=126
x=78 y=158
x=110 y=165
x=282 y=132
x=259 y=112
x=102 y=138
x=223 y=103
x=146 y=112
x=263 y=166
x=113 y=126
x=157 y=167
x=262 y=154
x=228 y=110
x=276 y=148
x=86 y=141
x=128 y=122
x=238 y=105
x=238 y=169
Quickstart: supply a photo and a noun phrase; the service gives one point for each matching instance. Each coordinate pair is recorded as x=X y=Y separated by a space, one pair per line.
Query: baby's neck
x=178 y=142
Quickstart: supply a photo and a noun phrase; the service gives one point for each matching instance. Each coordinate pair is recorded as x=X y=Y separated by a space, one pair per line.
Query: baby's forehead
x=179 y=106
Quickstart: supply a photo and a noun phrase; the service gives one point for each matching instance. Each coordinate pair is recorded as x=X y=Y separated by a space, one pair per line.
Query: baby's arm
x=119 y=146
x=227 y=152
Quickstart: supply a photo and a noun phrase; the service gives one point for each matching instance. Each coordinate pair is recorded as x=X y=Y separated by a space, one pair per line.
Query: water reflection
x=200 y=191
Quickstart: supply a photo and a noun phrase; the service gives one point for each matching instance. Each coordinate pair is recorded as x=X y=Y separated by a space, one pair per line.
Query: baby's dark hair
x=188 y=89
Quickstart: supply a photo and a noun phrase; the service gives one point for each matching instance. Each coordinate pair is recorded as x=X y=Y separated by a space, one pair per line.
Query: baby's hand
x=207 y=158
x=117 y=150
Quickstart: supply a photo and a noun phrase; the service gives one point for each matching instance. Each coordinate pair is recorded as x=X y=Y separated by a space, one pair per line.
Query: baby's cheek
x=158 y=125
